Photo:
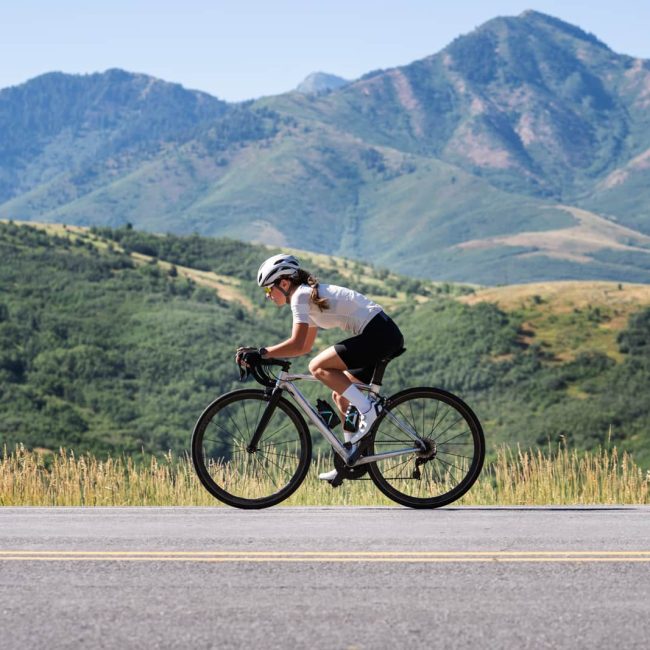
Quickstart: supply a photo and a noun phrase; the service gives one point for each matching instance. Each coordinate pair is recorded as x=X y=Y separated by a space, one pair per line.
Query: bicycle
x=252 y=448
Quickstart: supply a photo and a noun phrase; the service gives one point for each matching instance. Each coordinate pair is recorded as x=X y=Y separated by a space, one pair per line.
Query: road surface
x=333 y=577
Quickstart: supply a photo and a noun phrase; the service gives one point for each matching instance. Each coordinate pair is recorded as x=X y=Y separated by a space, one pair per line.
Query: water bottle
x=327 y=413
x=351 y=419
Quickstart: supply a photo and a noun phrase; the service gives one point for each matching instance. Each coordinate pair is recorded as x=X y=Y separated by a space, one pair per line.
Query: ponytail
x=304 y=277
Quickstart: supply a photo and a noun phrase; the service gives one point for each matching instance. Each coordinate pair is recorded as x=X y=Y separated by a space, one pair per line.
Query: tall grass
x=517 y=477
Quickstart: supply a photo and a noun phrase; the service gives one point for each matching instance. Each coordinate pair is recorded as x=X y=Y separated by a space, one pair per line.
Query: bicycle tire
x=245 y=479
x=448 y=473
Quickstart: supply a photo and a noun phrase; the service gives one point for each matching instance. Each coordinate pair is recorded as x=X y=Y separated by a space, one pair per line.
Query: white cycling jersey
x=348 y=309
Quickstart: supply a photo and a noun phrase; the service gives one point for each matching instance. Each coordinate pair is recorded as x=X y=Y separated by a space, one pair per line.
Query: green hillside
x=115 y=340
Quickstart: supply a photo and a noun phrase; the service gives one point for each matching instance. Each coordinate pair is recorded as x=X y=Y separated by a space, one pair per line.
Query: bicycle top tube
x=288 y=378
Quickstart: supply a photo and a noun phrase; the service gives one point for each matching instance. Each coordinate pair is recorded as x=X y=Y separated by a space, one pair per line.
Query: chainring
x=351 y=473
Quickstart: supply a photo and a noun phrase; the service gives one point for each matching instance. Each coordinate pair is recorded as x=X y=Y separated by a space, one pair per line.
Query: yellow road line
x=327 y=556
x=331 y=553
x=244 y=559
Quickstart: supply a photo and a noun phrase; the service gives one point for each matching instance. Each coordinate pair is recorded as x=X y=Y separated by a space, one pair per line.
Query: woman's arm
x=301 y=342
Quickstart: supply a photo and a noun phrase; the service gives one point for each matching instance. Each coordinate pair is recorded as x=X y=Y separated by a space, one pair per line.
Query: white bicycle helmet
x=278 y=266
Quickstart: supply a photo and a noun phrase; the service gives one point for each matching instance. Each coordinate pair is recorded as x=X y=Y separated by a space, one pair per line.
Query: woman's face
x=277 y=296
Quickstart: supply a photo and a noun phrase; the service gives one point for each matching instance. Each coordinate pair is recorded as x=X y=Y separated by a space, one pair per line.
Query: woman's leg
x=341 y=402
x=329 y=369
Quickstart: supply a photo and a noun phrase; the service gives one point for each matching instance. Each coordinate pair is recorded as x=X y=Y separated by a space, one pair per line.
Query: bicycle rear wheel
x=242 y=477
x=455 y=448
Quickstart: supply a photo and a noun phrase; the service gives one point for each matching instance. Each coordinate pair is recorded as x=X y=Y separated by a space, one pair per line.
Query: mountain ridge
x=485 y=141
x=320 y=82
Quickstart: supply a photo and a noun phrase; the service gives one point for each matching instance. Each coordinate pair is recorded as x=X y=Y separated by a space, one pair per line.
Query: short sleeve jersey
x=348 y=309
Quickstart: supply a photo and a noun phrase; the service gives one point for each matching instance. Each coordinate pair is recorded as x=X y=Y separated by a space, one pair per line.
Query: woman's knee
x=315 y=368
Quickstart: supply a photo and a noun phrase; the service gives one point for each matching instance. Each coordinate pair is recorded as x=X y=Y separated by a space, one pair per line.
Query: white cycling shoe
x=366 y=421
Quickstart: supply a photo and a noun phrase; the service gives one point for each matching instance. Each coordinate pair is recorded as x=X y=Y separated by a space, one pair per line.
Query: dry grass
x=570 y=317
x=565 y=295
x=555 y=477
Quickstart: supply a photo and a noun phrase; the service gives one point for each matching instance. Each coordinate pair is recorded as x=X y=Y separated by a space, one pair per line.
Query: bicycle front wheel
x=454 y=454
x=238 y=475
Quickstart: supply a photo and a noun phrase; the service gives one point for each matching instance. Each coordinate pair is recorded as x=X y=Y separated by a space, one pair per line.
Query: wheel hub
x=430 y=450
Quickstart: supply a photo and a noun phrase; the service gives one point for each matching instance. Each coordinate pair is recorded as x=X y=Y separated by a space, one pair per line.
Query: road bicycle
x=252 y=448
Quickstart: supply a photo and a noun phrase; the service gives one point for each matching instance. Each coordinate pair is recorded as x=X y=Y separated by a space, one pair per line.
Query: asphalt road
x=325 y=578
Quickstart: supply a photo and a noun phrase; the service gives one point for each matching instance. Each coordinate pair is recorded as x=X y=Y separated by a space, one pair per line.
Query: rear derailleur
x=428 y=453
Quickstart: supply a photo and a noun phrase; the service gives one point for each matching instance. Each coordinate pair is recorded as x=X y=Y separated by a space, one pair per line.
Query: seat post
x=378 y=374
x=380 y=368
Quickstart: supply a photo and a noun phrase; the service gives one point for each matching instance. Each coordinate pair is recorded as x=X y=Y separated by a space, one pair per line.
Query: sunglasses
x=267 y=290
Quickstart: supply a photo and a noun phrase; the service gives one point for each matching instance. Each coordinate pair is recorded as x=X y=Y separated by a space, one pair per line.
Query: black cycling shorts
x=380 y=338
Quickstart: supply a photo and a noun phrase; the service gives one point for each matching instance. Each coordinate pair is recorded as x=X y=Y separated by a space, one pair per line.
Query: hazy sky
x=244 y=49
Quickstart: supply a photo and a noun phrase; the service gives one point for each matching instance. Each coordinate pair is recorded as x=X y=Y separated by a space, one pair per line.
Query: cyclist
x=374 y=335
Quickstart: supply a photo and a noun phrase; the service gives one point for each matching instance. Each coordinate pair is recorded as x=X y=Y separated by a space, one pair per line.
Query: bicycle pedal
x=336 y=481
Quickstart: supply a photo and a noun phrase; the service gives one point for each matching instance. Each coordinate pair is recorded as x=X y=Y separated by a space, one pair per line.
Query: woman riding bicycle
x=374 y=335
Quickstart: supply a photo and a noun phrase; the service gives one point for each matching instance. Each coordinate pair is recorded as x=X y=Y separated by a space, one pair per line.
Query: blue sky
x=242 y=49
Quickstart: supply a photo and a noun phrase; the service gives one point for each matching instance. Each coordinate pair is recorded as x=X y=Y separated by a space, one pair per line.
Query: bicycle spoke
x=277 y=444
x=226 y=431
x=453 y=424
x=280 y=454
x=448 y=453
x=412 y=426
x=264 y=470
x=448 y=441
x=269 y=436
x=449 y=464
x=393 y=437
x=236 y=425
x=287 y=473
x=434 y=469
x=412 y=416
x=394 y=467
x=435 y=417
x=246 y=418
x=442 y=419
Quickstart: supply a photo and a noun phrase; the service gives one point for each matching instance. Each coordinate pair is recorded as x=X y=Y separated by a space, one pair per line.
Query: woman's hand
x=240 y=355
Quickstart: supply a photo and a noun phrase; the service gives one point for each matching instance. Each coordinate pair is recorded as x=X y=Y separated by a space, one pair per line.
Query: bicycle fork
x=264 y=420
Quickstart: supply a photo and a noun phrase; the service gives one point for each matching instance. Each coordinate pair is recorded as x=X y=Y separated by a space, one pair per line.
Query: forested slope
x=110 y=343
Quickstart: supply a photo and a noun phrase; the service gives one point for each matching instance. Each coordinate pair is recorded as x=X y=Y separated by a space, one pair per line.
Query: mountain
x=320 y=82
x=61 y=123
x=519 y=152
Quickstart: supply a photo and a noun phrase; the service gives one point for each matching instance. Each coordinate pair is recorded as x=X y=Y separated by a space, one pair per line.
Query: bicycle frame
x=285 y=382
